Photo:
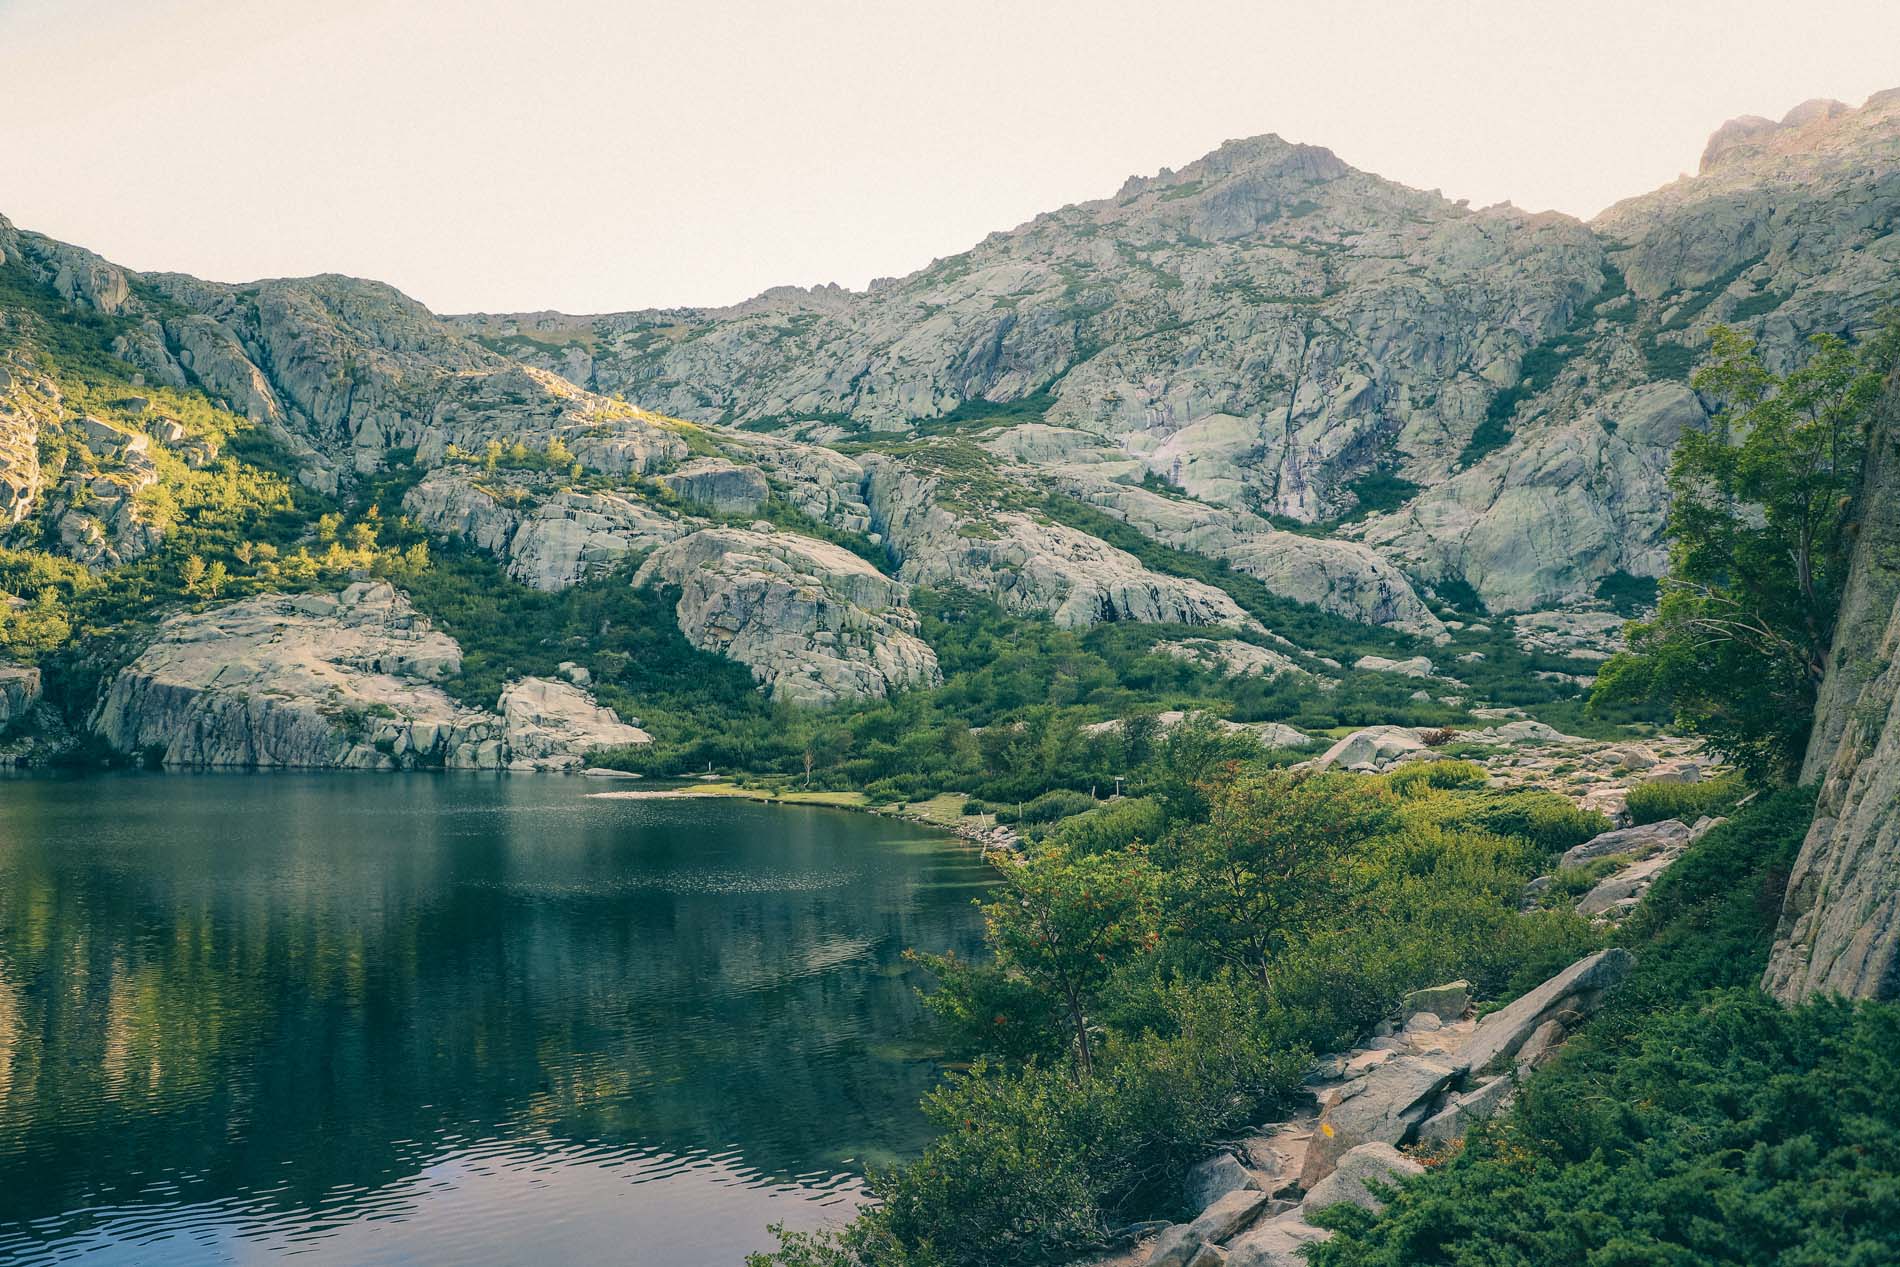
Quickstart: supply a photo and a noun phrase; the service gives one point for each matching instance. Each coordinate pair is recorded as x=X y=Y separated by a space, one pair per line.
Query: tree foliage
x=1760 y=528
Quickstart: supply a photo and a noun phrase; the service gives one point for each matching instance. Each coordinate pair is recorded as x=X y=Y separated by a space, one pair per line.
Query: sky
x=599 y=155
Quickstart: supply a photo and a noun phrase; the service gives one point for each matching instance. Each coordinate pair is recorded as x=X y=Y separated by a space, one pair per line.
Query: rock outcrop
x=1840 y=921
x=334 y=680
x=546 y=539
x=1029 y=564
x=19 y=692
x=815 y=623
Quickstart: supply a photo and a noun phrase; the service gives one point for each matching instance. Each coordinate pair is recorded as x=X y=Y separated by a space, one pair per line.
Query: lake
x=450 y=1018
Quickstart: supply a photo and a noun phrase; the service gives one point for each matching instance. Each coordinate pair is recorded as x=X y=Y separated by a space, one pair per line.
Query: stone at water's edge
x=19 y=692
x=347 y=680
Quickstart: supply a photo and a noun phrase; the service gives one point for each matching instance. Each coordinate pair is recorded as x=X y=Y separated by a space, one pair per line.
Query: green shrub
x=1551 y=822
x=1035 y=1164
x=1735 y=1132
x=1115 y=825
x=1654 y=801
x=1415 y=776
x=1695 y=1120
x=1049 y=807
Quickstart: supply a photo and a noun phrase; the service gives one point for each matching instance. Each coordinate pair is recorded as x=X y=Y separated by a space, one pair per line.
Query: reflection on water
x=448 y=1018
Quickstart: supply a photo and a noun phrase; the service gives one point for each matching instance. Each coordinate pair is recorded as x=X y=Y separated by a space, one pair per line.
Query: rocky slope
x=1840 y=921
x=1365 y=397
x=1276 y=332
x=335 y=680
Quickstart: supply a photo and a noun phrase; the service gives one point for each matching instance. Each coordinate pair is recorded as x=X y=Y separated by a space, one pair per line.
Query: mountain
x=1274 y=331
x=1268 y=396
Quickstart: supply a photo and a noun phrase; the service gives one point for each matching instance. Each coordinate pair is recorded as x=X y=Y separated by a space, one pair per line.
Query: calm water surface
x=452 y=1018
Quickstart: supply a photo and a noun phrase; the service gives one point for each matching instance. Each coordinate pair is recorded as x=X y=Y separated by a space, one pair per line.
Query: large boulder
x=1573 y=993
x=19 y=692
x=1640 y=841
x=1182 y=1244
x=1375 y=1163
x=1278 y=1242
x=1384 y=1106
x=1214 y=1178
x=1370 y=748
x=549 y=725
x=1460 y=1112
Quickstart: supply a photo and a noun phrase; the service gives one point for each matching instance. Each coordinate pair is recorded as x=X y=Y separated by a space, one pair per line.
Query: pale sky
x=594 y=155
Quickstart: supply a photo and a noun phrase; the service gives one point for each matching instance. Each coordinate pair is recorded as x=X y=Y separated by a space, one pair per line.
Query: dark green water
x=449 y=1019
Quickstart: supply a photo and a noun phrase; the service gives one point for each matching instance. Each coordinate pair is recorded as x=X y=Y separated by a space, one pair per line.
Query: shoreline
x=943 y=811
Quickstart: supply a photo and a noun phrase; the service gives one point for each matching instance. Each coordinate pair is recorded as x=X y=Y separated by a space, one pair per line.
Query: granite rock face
x=19 y=692
x=1840 y=921
x=327 y=681
x=1029 y=564
x=1266 y=319
x=815 y=623
x=718 y=486
x=546 y=540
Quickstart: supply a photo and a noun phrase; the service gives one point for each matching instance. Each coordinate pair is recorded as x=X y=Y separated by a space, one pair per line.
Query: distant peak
x=1750 y=130
x=1268 y=153
x=1733 y=135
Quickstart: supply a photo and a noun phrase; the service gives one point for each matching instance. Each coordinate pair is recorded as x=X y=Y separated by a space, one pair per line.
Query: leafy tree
x=1272 y=857
x=192 y=573
x=1760 y=526
x=1065 y=924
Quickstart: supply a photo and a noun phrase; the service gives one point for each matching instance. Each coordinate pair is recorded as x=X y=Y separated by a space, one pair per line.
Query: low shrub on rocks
x=1695 y=1121
x=1655 y=801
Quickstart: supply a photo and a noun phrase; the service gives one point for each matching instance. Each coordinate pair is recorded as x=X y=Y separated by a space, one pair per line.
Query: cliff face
x=1840 y=921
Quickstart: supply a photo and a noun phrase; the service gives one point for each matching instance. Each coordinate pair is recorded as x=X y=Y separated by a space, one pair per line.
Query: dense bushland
x=1163 y=968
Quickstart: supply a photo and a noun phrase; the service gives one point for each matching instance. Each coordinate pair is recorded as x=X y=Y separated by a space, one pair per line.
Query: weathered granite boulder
x=1385 y=1106
x=1181 y=1244
x=1572 y=993
x=1278 y=1242
x=1372 y=747
x=1417 y=666
x=1461 y=1111
x=815 y=623
x=1639 y=841
x=1214 y=1178
x=19 y=692
x=1229 y=657
x=550 y=725
x=1623 y=890
x=1447 y=1002
x=1375 y=1163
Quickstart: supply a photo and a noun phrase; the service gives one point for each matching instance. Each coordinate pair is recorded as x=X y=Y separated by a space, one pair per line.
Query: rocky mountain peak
x=1809 y=127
